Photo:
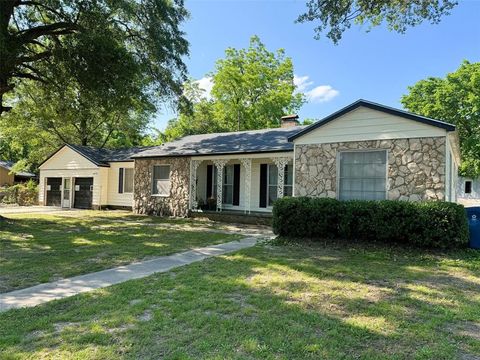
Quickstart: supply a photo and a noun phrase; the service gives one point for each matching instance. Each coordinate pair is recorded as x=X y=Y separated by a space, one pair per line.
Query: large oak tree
x=146 y=33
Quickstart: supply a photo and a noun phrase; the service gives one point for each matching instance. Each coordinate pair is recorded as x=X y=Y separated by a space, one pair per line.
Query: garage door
x=54 y=191
x=83 y=193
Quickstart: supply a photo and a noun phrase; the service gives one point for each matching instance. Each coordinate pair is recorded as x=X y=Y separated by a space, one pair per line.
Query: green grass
x=38 y=248
x=269 y=302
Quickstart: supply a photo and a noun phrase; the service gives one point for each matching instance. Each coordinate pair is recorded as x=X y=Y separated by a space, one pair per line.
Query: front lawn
x=37 y=248
x=269 y=302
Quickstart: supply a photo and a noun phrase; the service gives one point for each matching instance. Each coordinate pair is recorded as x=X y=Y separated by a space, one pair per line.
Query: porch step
x=239 y=217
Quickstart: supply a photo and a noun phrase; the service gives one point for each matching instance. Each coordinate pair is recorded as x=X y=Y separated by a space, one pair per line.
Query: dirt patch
x=62 y=325
x=147 y=315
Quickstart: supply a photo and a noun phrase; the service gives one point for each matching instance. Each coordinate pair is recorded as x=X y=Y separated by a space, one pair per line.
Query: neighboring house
x=363 y=151
x=85 y=177
x=8 y=178
x=468 y=191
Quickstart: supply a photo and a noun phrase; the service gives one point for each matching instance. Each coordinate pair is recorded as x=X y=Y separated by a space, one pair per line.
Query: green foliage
x=96 y=41
x=87 y=73
x=252 y=89
x=426 y=224
x=336 y=16
x=454 y=99
x=21 y=194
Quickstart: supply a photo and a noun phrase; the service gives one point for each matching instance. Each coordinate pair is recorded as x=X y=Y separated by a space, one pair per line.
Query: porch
x=246 y=184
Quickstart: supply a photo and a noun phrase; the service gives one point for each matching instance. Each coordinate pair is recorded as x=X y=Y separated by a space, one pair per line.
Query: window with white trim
x=128 y=180
x=227 y=185
x=362 y=175
x=272 y=182
x=161 y=180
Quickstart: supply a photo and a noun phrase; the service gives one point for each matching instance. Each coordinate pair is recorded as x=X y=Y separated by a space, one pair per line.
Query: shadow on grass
x=36 y=250
x=265 y=302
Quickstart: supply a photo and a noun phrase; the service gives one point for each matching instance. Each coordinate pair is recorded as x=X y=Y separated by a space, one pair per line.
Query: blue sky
x=377 y=66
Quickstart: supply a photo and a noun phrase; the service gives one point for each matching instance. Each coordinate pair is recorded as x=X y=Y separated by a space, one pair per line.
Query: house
x=85 y=177
x=363 y=151
x=468 y=190
x=9 y=178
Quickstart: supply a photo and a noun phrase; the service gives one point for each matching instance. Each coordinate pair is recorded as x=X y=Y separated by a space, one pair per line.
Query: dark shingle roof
x=101 y=157
x=252 y=141
x=9 y=164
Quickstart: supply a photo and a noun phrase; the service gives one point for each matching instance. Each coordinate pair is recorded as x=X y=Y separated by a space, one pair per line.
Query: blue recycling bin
x=473 y=214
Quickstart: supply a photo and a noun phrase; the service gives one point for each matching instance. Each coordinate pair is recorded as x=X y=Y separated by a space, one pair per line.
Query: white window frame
x=338 y=157
x=224 y=185
x=276 y=184
x=169 y=180
x=124 y=177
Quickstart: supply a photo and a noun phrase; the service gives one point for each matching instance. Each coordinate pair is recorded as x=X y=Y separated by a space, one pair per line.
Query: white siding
x=451 y=172
x=67 y=163
x=367 y=124
x=257 y=159
x=114 y=197
x=66 y=158
x=99 y=192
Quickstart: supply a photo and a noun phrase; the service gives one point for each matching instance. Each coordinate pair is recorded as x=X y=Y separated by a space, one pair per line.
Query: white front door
x=67 y=185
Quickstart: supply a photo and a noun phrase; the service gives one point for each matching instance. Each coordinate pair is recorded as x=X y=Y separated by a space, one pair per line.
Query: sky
x=378 y=65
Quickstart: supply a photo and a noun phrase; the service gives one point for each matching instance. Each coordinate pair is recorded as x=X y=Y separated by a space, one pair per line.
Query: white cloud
x=206 y=84
x=318 y=94
x=322 y=93
x=301 y=82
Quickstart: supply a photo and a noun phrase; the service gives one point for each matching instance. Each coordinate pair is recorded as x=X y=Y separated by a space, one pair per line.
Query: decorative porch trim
x=220 y=164
x=281 y=162
x=247 y=165
x=194 y=164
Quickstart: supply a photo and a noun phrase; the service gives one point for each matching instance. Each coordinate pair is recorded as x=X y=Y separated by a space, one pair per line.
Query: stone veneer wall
x=416 y=167
x=174 y=205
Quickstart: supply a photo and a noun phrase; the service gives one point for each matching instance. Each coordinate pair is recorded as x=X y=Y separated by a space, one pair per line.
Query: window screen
x=362 y=175
x=161 y=180
x=273 y=182
x=128 y=180
x=228 y=185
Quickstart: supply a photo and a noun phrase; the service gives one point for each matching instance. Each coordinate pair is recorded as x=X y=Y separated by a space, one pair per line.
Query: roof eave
x=371 y=105
x=213 y=154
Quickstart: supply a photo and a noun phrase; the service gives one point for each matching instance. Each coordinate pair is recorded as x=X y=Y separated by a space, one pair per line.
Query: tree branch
x=60 y=28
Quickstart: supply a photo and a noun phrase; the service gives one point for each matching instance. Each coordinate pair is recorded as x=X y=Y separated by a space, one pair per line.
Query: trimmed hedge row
x=427 y=224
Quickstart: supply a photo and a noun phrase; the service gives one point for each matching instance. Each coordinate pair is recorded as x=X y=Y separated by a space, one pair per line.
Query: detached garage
x=87 y=178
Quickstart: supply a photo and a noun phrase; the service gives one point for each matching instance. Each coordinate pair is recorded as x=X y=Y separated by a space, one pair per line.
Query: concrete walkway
x=42 y=293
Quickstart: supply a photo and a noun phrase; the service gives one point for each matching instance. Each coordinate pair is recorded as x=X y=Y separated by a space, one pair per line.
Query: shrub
x=21 y=194
x=428 y=224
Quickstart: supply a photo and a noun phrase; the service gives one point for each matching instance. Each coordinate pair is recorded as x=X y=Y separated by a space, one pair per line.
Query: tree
x=36 y=34
x=336 y=16
x=252 y=89
x=454 y=99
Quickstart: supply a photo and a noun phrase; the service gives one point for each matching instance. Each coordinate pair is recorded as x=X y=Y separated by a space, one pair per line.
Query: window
x=272 y=183
x=128 y=180
x=228 y=185
x=125 y=180
x=468 y=187
x=362 y=175
x=161 y=180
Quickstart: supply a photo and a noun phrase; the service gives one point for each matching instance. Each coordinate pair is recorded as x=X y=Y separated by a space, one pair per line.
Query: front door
x=83 y=193
x=67 y=184
x=54 y=191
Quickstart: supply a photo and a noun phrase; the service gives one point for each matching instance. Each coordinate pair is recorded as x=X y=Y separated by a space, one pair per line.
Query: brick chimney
x=289 y=121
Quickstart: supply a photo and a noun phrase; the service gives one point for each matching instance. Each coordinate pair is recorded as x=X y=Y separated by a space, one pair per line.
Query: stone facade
x=174 y=205
x=416 y=167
